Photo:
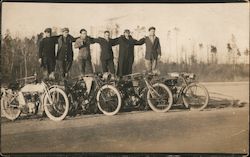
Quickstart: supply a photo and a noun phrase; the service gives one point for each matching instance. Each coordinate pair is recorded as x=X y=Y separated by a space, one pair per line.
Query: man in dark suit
x=126 y=53
x=47 y=53
x=153 y=49
x=106 y=56
x=64 y=57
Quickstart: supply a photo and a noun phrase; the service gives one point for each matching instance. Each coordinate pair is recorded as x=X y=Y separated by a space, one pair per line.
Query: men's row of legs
x=62 y=67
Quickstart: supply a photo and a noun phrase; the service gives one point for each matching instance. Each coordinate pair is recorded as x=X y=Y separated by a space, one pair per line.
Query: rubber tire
x=207 y=98
x=169 y=93
x=6 y=114
x=119 y=100
x=66 y=108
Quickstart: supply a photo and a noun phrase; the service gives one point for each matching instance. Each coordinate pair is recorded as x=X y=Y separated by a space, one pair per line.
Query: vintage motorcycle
x=34 y=98
x=186 y=90
x=86 y=91
x=141 y=89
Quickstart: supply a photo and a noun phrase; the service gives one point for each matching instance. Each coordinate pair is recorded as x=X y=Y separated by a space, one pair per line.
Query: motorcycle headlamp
x=107 y=76
x=192 y=76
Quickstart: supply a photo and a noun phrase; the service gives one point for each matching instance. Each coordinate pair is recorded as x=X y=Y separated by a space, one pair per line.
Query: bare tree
x=213 y=51
x=200 y=51
x=246 y=53
x=176 y=29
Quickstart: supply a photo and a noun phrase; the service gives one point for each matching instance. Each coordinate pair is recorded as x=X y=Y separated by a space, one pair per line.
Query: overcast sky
x=198 y=23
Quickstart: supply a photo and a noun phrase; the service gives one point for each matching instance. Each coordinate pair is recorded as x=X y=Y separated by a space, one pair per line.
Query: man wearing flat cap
x=126 y=53
x=47 y=53
x=107 y=56
x=153 y=49
x=64 y=57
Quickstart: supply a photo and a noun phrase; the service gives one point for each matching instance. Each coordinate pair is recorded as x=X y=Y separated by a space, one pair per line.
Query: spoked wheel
x=195 y=96
x=108 y=100
x=159 y=98
x=10 y=110
x=56 y=104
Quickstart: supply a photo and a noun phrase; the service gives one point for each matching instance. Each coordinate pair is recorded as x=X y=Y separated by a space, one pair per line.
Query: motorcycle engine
x=81 y=94
x=32 y=103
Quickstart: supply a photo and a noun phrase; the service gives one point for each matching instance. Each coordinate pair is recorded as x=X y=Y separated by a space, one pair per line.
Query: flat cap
x=48 y=30
x=65 y=29
x=150 y=28
x=126 y=31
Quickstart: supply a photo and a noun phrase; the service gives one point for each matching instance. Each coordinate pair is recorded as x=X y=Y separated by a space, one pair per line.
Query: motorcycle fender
x=88 y=81
x=21 y=99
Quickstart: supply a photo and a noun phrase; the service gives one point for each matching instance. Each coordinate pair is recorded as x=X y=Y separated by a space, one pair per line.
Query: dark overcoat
x=47 y=50
x=126 y=54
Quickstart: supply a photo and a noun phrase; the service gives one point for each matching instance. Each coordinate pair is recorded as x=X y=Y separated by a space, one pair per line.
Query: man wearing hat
x=47 y=53
x=126 y=53
x=153 y=49
x=107 y=56
x=64 y=57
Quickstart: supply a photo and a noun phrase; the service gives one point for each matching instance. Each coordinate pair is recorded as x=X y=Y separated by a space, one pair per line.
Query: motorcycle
x=140 y=90
x=186 y=90
x=86 y=91
x=34 y=98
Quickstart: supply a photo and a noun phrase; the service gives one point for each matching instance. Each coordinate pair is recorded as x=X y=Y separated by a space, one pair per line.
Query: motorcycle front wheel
x=109 y=100
x=56 y=104
x=9 y=111
x=159 y=98
x=196 y=97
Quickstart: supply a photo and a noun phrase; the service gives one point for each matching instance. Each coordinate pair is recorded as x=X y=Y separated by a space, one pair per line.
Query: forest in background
x=19 y=58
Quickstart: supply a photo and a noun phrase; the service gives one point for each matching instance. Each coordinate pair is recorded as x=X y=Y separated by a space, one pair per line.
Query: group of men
x=61 y=62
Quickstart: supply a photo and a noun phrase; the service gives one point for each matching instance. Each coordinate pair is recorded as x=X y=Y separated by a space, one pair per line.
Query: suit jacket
x=84 y=47
x=47 y=47
x=69 y=40
x=106 y=48
x=153 y=49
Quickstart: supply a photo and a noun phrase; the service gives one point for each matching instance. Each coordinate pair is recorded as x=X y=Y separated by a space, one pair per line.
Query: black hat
x=48 y=30
x=150 y=28
x=126 y=31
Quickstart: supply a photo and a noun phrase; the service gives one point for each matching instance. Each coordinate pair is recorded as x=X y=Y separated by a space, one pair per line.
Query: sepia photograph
x=124 y=77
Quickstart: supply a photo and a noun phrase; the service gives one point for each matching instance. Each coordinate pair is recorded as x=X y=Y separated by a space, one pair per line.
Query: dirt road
x=217 y=130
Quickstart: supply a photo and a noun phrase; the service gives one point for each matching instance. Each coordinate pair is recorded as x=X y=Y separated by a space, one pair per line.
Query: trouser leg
x=111 y=66
x=51 y=68
x=104 y=65
x=59 y=69
x=82 y=66
x=68 y=65
x=45 y=73
x=154 y=64
x=148 y=65
x=88 y=67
